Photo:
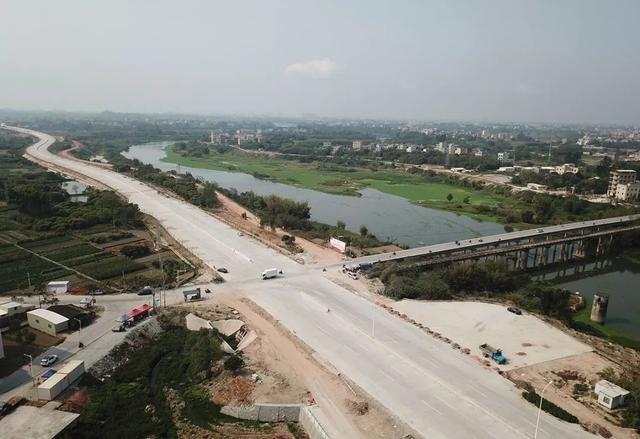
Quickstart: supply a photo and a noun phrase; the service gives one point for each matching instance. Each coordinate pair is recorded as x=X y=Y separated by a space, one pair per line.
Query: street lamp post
x=33 y=380
x=79 y=329
x=535 y=436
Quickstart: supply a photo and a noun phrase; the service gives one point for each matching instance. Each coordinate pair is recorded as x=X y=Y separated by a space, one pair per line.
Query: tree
x=449 y=197
x=233 y=363
x=466 y=200
x=364 y=231
x=341 y=225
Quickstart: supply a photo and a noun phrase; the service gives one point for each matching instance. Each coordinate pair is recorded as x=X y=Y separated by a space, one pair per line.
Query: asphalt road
x=429 y=386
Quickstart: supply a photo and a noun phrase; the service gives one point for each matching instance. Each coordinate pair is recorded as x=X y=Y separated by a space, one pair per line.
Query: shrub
x=550 y=407
x=234 y=363
x=135 y=251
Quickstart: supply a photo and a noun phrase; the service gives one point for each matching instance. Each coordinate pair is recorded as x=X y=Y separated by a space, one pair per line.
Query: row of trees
x=187 y=186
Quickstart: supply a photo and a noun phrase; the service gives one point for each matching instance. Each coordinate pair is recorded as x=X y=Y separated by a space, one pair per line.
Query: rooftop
x=609 y=389
x=51 y=316
x=36 y=423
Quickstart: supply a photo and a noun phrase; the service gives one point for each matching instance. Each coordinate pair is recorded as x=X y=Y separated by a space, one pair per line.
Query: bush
x=135 y=251
x=233 y=363
x=550 y=407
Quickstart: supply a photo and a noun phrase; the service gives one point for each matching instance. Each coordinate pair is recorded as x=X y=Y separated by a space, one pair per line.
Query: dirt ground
x=312 y=253
x=565 y=373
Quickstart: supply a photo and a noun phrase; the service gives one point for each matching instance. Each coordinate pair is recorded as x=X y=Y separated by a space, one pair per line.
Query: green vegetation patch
x=71 y=252
x=550 y=407
x=110 y=267
x=176 y=363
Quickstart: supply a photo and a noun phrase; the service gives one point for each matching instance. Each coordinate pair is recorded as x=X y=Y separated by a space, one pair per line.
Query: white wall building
x=58 y=287
x=619 y=177
x=628 y=192
x=47 y=321
x=610 y=395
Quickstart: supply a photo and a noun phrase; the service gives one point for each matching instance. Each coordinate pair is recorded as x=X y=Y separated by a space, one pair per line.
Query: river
x=396 y=219
x=387 y=216
x=616 y=277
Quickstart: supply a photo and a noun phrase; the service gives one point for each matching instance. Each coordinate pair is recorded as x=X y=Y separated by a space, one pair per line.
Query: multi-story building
x=628 y=191
x=356 y=145
x=503 y=156
x=619 y=177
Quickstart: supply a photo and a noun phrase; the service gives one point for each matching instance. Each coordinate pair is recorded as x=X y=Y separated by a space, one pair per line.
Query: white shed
x=610 y=395
x=58 y=287
x=59 y=381
x=47 y=321
x=53 y=387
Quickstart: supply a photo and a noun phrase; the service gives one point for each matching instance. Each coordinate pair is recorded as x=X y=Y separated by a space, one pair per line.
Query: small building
x=47 y=321
x=11 y=312
x=610 y=395
x=74 y=314
x=58 y=287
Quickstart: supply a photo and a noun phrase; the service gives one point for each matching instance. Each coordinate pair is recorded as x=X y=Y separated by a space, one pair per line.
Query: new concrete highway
x=426 y=384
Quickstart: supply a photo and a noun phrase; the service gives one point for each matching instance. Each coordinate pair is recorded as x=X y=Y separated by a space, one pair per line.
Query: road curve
x=426 y=384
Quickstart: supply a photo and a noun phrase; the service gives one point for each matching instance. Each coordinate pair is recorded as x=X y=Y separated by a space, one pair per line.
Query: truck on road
x=489 y=351
x=270 y=273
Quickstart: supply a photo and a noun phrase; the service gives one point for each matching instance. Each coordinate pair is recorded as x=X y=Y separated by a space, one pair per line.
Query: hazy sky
x=511 y=60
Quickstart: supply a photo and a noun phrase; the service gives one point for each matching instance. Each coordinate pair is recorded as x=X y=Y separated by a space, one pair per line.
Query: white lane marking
x=431 y=407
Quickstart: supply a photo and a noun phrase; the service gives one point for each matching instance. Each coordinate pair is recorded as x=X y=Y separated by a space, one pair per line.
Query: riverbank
x=340 y=180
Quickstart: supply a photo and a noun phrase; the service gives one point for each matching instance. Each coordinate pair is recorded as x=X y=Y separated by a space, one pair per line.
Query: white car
x=352 y=275
x=48 y=360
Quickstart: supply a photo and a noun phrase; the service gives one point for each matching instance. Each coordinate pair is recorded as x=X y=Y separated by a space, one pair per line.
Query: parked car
x=146 y=291
x=119 y=328
x=352 y=275
x=223 y=270
x=514 y=310
x=48 y=360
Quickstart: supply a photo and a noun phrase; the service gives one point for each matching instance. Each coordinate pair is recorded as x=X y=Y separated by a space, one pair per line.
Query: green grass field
x=413 y=187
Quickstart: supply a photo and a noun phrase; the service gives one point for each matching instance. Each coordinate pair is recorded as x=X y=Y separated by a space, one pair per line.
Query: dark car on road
x=514 y=310
x=223 y=270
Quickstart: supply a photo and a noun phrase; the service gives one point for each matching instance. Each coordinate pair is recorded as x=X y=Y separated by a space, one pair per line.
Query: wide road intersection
x=426 y=384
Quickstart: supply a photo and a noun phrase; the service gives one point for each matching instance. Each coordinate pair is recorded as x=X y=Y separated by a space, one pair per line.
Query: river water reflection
x=387 y=216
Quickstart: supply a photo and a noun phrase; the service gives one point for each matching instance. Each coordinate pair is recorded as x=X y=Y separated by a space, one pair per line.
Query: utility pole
x=79 y=329
x=33 y=380
x=29 y=279
x=535 y=435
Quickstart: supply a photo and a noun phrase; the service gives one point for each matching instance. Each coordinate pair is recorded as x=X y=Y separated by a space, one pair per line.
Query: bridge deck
x=476 y=243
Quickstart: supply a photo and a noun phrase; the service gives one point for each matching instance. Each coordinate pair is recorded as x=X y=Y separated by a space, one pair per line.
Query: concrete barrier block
x=268 y=413
x=289 y=413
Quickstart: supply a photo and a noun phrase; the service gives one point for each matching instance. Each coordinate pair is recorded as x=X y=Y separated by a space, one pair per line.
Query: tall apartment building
x=619 y=177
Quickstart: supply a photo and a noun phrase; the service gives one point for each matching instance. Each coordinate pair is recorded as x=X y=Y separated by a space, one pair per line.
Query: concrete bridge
x=532 y=247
